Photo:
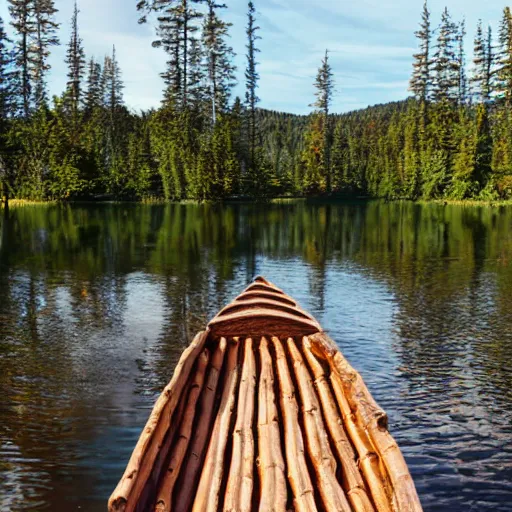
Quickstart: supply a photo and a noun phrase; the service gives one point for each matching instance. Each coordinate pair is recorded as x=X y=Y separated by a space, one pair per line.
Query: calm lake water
x=97 y=303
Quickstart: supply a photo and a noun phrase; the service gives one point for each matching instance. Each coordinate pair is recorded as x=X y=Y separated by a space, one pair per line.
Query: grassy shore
x=467 y=202
x=16 y=203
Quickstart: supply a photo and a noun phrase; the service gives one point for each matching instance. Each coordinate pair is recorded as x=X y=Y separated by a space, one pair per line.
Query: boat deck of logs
x=263 y=413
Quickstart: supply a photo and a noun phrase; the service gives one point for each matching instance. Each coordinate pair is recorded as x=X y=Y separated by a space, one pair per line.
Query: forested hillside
x=451 y=139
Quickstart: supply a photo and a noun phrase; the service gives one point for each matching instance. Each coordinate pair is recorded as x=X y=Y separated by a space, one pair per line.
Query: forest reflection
x=97 y=303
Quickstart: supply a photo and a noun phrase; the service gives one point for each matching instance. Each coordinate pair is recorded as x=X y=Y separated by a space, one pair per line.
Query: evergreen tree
x=7 y=109
x=112 y=83
x=504 y=59
x=75 y=59
x=461 y=65
x=176 y=29
x=324 y=84
x=446 y=64
x=483 y=150
x=197 y=78
x=421 y=79
x=7 y=78
x=94 y=95
x=44 y=37
x=483 y=60
x=219 y=58
x=21 y=12
x=251 y=80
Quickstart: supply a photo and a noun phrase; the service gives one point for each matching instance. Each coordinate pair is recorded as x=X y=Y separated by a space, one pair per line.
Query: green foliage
x=88 y=144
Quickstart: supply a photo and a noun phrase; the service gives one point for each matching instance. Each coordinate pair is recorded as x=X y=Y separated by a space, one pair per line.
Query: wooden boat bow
x=263 y=413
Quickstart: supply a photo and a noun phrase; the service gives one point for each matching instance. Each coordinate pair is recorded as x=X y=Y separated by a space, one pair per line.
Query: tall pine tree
x=483 y=59
x=45 y=36
x=219 y=58
x=504 y=59
x=75 y=59
x=324 y=85
x=251 y=79
x=421 y=76
x=21 y=12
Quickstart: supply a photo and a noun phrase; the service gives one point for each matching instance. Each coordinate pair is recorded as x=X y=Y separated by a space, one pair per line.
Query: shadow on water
x=97 y=303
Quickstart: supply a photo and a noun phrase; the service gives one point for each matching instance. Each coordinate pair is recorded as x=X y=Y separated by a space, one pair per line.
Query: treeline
x=452 y=140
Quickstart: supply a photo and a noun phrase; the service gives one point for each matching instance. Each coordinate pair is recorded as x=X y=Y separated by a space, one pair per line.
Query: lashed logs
x=126 y=494
x=298 y=473
x=192 y=468
x=207 y=496
x=317 y=440
x=368 y=459
x=240 y=484
x=164 y=496
x=374 y=420
x=147 y=497
x=271 y=466
x=353 y=483
x=405 y=497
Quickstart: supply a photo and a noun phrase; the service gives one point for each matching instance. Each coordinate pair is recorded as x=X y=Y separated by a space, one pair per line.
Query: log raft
x=264 y=414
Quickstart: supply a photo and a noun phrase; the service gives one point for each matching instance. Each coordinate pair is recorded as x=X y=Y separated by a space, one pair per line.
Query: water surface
x=97 y=303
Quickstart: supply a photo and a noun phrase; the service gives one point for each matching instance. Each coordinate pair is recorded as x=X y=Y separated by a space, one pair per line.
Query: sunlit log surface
x=264 y=414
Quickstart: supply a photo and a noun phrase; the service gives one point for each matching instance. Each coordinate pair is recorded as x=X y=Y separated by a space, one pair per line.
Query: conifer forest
x=451 y=139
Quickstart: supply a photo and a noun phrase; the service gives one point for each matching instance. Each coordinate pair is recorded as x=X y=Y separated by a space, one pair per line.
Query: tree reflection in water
x=97 y=303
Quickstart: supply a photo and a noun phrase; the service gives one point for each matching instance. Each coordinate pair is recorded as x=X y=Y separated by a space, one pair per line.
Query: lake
x=98 y=301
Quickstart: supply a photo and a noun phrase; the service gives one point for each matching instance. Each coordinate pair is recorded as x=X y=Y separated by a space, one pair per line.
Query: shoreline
x=17 y=203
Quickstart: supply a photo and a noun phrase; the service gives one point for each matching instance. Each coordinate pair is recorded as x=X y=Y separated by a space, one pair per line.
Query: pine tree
x=420 y=80
x=461 y=65
x=446 y=65
x=176 y=29
x=251 y=79
x=112 y=83
x=483 y=150
x=197 y=78
x=324 y=84
x=7 y=78
x=94 y=95
x=219 y=58
x=7 y=108
x=21 y=12
x=44 y=37
x=483 y=60
x=504 y=59
x=75 y=59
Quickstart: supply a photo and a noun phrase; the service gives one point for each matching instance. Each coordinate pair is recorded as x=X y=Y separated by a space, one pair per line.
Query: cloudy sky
x=371 y=44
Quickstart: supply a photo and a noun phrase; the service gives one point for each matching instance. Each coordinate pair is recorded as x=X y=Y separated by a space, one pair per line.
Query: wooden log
x=298 y=473
x=126 y=494
x=317 y=439
x=164 y=496
x=207 y=496
x=353 y=483
x=368 y=459
x=147 y=497
x=353 y=385
x=405 y=496
x=271 y=468
x=373 y=420
x=185 y=493
x=238 y=497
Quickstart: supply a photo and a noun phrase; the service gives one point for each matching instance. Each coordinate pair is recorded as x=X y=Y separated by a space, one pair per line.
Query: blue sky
x=371 y=44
